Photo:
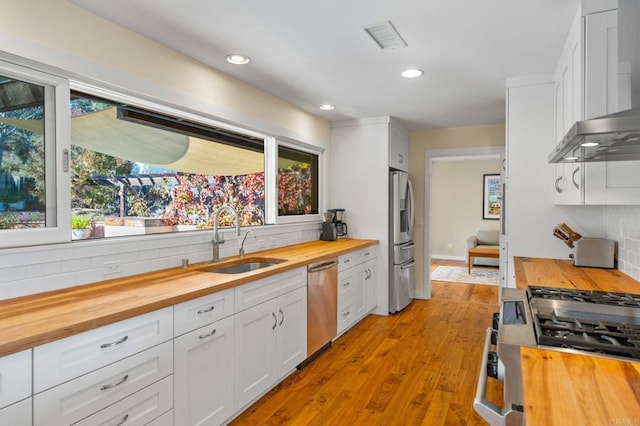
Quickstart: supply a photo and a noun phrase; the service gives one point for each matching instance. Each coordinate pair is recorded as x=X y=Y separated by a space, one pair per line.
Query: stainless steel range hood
x=614 y=137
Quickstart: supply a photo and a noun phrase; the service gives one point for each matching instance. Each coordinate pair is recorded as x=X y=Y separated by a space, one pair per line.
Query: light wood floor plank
x=418 y=367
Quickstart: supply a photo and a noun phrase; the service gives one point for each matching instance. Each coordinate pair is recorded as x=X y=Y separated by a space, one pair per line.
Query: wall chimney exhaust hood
x=613 y=137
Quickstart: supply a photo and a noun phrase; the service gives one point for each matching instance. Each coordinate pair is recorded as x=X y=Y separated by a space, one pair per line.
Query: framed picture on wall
x=491 y=199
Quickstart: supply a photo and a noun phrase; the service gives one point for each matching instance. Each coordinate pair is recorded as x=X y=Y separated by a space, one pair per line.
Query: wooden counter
x=32 y=320
x=562 y=273
x=562 y=388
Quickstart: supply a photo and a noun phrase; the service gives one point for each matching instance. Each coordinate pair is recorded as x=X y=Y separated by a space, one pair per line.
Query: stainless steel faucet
x=219 y=238
x=241 y=251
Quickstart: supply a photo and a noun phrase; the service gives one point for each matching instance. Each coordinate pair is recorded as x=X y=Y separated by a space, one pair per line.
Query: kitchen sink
x=243 y=265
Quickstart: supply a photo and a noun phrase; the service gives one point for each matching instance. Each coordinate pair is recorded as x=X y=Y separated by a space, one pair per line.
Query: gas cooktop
x=593 y=321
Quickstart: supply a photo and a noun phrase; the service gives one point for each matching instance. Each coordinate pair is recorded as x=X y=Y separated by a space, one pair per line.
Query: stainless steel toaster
x=594 y=252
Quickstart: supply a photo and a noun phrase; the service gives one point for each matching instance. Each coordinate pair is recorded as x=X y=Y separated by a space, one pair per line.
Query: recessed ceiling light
x=327 y=107
x=238 y=59
x=589 y=144
x=412 y=73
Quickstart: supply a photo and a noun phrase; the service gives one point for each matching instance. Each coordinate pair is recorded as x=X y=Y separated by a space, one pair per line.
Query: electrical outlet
x=449 y=245
x=113 y=267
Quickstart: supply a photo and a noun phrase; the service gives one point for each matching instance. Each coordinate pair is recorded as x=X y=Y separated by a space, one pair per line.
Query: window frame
x=57 y=137
x=303 y=218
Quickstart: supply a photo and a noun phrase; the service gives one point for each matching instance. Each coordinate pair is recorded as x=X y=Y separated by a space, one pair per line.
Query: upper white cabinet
x=398 y=147
x=589 y=86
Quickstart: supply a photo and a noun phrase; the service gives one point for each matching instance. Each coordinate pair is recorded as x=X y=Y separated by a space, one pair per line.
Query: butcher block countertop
x=32 y=320
x=562 y=388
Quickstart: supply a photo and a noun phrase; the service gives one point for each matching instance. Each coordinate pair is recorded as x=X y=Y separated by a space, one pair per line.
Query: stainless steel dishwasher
x=322 y=306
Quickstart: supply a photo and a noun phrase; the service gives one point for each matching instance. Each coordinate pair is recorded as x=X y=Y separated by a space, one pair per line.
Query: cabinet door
x=18 y=414
x=359 y=293
x=370 y=285
x=398 y=149
x=15 y=377
x=255 y=352
x=601 y=64
x=203 y=375
x=291 y=331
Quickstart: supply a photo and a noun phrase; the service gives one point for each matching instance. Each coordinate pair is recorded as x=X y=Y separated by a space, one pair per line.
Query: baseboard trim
x=448 y=257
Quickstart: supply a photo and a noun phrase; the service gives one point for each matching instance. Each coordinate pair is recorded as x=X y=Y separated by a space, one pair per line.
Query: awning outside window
x=103 y=132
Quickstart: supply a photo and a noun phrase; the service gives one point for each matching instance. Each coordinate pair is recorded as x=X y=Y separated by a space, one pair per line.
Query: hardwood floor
x=418 y=367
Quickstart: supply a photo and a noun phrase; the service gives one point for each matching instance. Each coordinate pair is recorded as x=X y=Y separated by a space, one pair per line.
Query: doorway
x=451 y=246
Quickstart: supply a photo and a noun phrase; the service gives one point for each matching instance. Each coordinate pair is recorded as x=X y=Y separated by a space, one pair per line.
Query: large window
x=136 y=171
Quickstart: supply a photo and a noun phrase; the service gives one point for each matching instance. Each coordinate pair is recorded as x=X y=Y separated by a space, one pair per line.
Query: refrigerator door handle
x=409 y=247
x=411 y=208
x=408 y=265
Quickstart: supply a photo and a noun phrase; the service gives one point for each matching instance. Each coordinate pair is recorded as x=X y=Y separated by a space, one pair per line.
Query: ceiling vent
x=385 y=35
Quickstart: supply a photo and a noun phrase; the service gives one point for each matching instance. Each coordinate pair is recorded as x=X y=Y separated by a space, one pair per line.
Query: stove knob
x=496 y=320
x=494 y=337
x=492 y=370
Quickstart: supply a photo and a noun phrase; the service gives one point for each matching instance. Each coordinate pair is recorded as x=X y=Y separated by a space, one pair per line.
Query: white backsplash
x=623 y=225
x=31 y=270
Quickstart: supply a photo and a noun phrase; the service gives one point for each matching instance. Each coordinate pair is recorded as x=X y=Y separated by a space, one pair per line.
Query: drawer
x=346 y=313
x=346 y=283
x=202 y=311
x=356 y=257
x=64 y=359
x=141 y=408
x=254 y=293
x=164 y=420
x=15 y=377
x=74 y=400
x=18 y=414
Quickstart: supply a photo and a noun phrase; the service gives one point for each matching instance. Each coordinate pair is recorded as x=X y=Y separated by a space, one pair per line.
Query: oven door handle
x=493 y=414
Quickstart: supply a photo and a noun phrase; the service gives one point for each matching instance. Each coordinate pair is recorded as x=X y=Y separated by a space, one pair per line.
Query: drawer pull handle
x=204 y=336
x=275 y=321
x=117 y=342
x=113 y=385
x=282 y=314
x=346 y=314
x=347 y=284
x=204 y=311
x=346 y=261
x=124 y=420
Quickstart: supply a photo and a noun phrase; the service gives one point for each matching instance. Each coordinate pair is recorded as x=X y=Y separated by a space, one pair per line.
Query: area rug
x=458 y=274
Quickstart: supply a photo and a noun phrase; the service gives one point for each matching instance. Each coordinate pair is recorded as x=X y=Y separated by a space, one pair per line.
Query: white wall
x=456 y=205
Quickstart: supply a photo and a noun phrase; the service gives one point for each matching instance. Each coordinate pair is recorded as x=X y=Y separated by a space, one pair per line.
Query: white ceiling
x=313 y=52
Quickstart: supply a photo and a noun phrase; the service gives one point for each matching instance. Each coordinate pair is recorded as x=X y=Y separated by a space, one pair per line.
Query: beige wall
x=59 y=33
x=445 y=138
x=456 y=204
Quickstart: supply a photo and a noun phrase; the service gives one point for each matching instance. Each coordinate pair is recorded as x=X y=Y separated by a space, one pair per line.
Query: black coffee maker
x=338 y=221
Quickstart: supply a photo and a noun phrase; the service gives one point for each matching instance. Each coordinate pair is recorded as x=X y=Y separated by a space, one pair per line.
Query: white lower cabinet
x=270 y=341
x=356 y=287
x=204 y=365
x=139 y=409
x=164 y=420
x=83 y=396
x=15 y=378
x=18 y=414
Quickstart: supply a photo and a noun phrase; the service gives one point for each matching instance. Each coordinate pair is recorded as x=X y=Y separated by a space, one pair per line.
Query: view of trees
x=99 y=183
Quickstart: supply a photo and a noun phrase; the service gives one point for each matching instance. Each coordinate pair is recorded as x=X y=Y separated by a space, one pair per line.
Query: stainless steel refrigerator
x=401 y=257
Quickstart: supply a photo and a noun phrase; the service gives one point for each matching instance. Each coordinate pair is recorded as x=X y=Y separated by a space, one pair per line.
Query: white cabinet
x=606 y=92
x=83 y=396
x=270 y=341
x=202 y=311
x=356 y=286
x=15 y=377
x=398 y=147
x=204 y=382
x=18 y=414
x=142 y=408
x=64 y=359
